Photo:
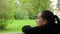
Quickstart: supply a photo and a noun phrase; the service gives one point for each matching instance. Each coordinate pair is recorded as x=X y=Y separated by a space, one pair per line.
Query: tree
x=30 y=8
x=24 y=6
x=59 y=4
x=6 y=12
x=37 y=5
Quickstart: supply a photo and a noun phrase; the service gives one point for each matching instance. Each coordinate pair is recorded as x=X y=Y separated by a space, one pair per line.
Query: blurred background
x=14 y=14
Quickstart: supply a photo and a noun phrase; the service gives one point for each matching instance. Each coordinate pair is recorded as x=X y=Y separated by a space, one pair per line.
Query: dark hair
x=57 y=19
x=49 y=16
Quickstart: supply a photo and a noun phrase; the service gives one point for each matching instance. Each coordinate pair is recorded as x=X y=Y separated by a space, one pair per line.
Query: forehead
x=39 y=15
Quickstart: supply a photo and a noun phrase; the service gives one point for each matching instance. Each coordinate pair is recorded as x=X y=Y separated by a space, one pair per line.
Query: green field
x=16 y=25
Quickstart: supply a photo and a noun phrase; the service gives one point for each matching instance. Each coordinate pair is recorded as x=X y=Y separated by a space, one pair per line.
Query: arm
x=27 y=29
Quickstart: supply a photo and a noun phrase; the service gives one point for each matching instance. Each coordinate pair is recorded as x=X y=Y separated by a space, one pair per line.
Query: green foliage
x=6 y=9
x=37 y=5
x=24 y=9
x=6 y=12
x=59 y=4
x=2 y=24
x=17 y=25
x=30 y=8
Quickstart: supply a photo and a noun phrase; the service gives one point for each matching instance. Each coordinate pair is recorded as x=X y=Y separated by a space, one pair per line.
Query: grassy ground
x=16 y=25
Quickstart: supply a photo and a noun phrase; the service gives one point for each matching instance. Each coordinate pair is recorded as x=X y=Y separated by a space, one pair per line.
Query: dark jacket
x=46 y=29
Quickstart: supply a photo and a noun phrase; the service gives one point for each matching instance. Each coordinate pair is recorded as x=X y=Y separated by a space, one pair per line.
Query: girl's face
x=40 y=21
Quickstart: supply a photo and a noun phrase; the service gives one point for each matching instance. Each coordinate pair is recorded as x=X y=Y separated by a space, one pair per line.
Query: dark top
x=46 y=29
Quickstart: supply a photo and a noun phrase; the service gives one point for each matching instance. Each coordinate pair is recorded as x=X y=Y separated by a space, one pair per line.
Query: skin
x=40 y=21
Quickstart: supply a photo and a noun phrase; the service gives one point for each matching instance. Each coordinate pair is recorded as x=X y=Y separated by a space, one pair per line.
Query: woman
x=45 y=24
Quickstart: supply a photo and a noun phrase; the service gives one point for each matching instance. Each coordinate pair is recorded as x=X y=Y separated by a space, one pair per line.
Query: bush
x=6 y=12
x=30 y=8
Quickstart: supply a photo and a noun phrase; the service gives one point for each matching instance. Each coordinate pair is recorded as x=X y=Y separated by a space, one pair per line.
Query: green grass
x=16 y=25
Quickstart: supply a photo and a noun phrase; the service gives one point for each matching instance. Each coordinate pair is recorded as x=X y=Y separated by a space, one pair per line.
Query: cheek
x=39 y=22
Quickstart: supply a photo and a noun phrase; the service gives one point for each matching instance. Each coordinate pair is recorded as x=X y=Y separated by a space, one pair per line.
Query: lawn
x=16 y=25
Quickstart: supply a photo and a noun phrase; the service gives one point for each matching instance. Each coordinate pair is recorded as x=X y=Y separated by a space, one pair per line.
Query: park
x=14 y=14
